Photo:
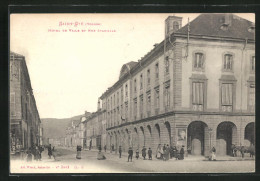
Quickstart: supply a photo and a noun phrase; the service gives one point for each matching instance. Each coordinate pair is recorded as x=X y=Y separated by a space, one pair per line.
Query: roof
x=210 y=25
x=126 y=68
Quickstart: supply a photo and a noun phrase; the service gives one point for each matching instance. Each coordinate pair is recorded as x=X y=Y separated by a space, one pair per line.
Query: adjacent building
x=25 y=123
x=196 y=89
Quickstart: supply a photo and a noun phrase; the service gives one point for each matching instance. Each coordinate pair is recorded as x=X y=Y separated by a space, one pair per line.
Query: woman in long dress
x=78 y=152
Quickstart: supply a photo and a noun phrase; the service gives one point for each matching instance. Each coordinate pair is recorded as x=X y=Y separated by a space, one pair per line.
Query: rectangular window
x=148 y=104
x=251 y=102
x=148 y=77
x=126 y=111
x=141 y=81
x=12 y=104
x=126 y=91
x=157 y=100
x=253 y=64
x=197 y=95
x=227 y=97
x=135 y=108
x=122 y=95
x=141 y=106
x=135 y=85
x=198 y=62
x=228 y=62
x=167 y=96
x=157 y=71
x=166 y=64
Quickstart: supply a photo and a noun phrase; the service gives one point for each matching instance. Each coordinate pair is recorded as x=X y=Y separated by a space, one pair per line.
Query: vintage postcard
x=132 y=93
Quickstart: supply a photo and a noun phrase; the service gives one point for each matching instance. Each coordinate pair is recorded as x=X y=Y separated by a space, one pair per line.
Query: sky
x=68 y=69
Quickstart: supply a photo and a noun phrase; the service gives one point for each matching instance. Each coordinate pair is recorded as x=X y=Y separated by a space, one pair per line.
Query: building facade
x=25 y=123
x=196 y=88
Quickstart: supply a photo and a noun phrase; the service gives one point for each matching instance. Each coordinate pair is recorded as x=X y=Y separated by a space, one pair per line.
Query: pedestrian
x=37 y=153
x=105 y=148
x=41 y=149
x=54 y=153
x=150 y=154
x=78 y=152
x=167 y=152
x=235 y=151
x=90 y=144
x=99 y=148
x=171 y=152
x=181 y=153
x=137 y=154
x=144 y=152
x=130 y=154
x=158 y=152
x=164 y=147
x=213 y=153
x=49 y=151
x=101 y=156
x=174 y=150
x=242 y=151
x=120 y=151
x=29 y=155
x=113 y=147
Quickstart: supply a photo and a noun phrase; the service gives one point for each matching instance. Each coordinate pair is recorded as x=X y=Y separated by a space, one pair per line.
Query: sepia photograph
x=132 y=93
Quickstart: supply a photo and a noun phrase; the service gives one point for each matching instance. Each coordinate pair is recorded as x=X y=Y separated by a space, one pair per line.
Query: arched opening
x=148 y=137
x=196 y=138
x=157 y=135
x=226 y=136
x=168 y=128
x=136 y=139
x=250 y=134
x=142 y=137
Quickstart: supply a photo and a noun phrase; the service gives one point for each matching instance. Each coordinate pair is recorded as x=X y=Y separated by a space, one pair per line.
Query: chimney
x=228 y=19
x=172 y=24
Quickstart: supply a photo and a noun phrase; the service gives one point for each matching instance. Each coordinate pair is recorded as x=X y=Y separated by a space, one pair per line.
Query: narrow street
x=67 y=163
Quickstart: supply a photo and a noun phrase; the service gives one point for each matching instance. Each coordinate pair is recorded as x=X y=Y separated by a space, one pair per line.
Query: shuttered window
x=228 y=62
x=197 y=93
x=227 y=94
x=227 y=97
x=251 y=101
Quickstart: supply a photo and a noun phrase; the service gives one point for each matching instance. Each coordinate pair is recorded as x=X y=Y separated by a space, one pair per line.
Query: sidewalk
x=187 y=158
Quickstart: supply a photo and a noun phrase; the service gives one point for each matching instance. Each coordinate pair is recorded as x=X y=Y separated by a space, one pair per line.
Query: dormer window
x=228 y=62
x=198 y=62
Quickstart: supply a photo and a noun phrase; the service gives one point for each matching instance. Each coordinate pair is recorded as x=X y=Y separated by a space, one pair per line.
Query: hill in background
x=56 y=128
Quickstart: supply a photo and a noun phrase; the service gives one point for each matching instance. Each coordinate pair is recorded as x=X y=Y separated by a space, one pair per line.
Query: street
x=67 y=163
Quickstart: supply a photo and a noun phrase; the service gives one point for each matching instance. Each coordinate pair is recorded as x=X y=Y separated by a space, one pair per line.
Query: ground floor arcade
x=198 y=133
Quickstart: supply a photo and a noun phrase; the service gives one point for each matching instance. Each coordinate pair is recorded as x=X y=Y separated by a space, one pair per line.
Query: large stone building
x=25 y=123
x=196 y=88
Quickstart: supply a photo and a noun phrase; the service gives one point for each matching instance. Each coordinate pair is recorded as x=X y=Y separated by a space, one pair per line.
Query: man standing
x=130 y=154
x=105 y=148
x=49 y=151
x=120 y=151
x=144 y=152
x=182 y=153
x=150 y=154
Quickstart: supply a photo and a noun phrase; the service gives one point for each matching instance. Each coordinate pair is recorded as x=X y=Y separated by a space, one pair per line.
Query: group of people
x=34 y=152
x=167 y=152
x=235 y=150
